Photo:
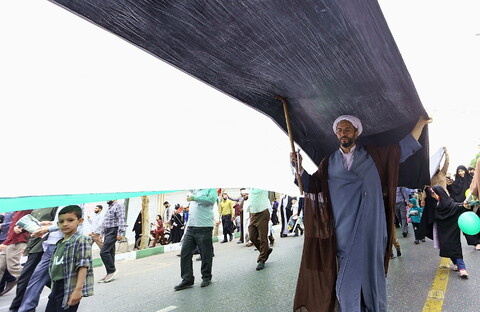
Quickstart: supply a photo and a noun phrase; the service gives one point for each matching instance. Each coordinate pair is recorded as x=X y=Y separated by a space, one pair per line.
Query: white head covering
x=354 y=120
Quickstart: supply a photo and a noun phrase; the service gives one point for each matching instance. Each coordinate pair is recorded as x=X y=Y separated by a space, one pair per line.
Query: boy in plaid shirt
x=71 y=269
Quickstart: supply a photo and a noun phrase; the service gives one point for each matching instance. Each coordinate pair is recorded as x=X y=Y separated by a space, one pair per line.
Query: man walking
x=113 y=228
x=285 y=214
x=199 y=233
x=225 y=210
x=11 y=249
x=96 y=222
x=34 y=251
x=167 y=215
x=240 y=201
x=401 y=200
x=258 y=205
x=348 y=223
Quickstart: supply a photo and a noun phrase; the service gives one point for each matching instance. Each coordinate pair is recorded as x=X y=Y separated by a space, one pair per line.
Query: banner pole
x=292 y=146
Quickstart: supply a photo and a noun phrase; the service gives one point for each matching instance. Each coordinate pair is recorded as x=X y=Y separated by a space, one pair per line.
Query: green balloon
x=469 y=223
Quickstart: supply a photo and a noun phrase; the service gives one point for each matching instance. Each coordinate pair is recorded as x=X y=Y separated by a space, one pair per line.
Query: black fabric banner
x=327 y=58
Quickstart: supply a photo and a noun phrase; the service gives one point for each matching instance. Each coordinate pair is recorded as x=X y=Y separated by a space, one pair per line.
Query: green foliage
x=473 y=163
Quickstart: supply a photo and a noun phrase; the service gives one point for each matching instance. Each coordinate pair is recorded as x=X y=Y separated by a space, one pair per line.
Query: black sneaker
x=183 y=285
x=205 y=283
x=260 y=265
x=405 y=234
x=399 y=253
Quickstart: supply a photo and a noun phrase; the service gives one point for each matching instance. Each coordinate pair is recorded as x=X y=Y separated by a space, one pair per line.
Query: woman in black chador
x=462 y=183
x=177 y=225
x=447 y=212
x=457 y=192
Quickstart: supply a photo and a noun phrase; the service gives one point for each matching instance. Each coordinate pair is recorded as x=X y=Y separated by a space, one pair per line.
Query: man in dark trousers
x=34 y=251
x=113 y=229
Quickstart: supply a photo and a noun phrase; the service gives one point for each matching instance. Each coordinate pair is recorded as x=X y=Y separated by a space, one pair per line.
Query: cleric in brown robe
x=349 y=204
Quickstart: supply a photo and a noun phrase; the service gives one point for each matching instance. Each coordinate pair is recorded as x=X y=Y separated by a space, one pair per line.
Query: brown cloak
x=318 y=269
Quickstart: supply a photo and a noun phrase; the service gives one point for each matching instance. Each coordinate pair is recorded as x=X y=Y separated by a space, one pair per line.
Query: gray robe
x=360 y=227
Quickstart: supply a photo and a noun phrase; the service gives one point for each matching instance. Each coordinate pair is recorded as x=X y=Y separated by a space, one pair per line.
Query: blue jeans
x=39 y=279
x=459 y=262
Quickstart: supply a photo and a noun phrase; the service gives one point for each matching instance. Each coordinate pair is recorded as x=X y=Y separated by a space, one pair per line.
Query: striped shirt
x=115 y=216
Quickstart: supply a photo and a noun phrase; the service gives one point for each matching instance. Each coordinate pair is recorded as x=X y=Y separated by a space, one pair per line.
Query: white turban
x=354 y=120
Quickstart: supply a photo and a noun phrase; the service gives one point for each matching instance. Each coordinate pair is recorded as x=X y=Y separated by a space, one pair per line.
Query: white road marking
x=170 y=308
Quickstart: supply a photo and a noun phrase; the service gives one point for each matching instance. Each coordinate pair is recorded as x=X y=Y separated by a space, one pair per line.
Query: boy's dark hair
x=75 y=209
x=100 y=206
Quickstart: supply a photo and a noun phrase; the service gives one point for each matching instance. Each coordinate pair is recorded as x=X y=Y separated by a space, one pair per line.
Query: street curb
x=139 y=254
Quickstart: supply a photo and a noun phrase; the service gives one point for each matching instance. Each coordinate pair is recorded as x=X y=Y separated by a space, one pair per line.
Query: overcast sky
x=440 y=44
x=74 y=96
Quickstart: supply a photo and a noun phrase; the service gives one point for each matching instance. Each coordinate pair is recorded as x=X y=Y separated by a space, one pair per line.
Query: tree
x=473 y=163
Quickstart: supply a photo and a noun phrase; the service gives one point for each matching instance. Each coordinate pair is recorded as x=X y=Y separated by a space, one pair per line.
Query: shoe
x=249 y=244
x=399 y=253
x=110 y=277
x=417 y=242
x=224 y=241
x=423 y=240
x=240 y=242
x=102 y=280
x=477 y=247
x=455 y=268
x=268 y=253
x=272 y=242
x=283 y=235
x=463 y=273
x=8 y=287
x=183 y=285
x=260 y=265
x=205 y=283
x=405 y=234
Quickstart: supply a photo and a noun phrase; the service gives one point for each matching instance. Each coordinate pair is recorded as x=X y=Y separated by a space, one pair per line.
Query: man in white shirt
x=96 y=221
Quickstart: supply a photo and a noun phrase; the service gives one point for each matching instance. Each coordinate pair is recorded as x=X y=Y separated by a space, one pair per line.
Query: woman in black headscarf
x=460 y=185
x=457 y=192
x=447 y=212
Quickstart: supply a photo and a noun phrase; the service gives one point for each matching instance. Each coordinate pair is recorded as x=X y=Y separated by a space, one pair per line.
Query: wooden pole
x=145 y=222
x=292 y=145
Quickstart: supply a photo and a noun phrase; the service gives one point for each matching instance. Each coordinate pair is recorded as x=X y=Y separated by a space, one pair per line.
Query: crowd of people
x=58 y=254
x=339 y=267
x=56 y=238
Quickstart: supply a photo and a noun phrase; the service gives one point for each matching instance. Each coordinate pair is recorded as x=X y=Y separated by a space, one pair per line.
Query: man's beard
x=348 y=143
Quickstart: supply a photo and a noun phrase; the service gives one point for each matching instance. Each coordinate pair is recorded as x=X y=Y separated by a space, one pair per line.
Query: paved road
x=147 y=284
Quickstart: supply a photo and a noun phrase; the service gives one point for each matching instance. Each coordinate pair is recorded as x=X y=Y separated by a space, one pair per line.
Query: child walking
x=71 y=269
x=446 y=220
x=415 y=214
